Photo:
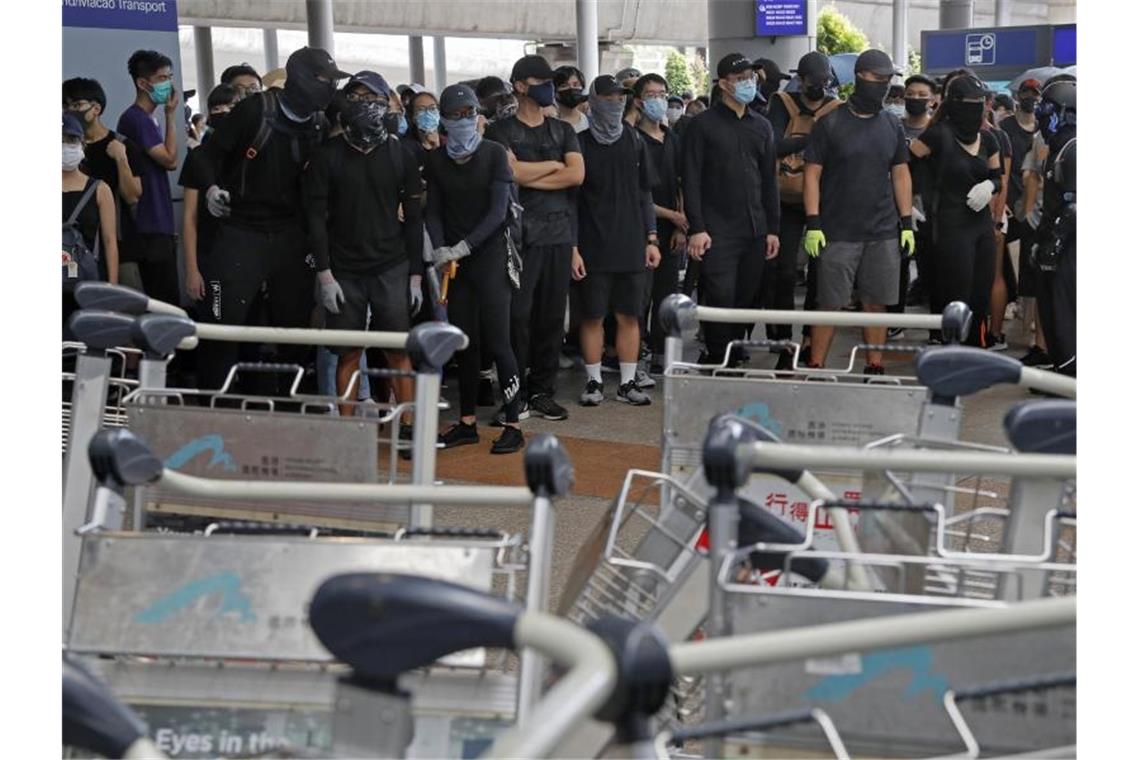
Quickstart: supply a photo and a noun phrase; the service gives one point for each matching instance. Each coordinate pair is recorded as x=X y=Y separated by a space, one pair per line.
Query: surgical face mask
x=654 y=109
x=569 y=97
x=605 y=119
x=1027 y=104
x=462 y=136
x=744 y=91
x=917 y=106
x=395 y=123
x=672 y=114
x=898 y=109
x=869 y=95
x=428 y=121
x=541 y=94
x=965 y=119
x=160 y=93
x=72 y=156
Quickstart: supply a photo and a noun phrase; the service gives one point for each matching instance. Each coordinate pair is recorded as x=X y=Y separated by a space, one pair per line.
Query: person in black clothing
x=918 y=96
x=616 y=239
x=792 y=116
x=252 y=170
x=470 y=188
x=665 y=152
x=369 y=261
x=965 y=177
x=732 y=201
x=547 y=163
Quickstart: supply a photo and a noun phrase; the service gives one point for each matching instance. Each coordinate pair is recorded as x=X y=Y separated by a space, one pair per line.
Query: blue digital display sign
x=980 y=48
x=781 y=18
x=1064 y=45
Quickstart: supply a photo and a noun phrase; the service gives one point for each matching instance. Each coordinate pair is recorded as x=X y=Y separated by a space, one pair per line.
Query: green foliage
x=836 y=34
x=677 y=73
x=913 y=62
x=700 y=76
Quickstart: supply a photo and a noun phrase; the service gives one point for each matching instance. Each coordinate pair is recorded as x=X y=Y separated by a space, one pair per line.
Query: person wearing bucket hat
x=253 y=172
x=857 y=198
x=732 y=200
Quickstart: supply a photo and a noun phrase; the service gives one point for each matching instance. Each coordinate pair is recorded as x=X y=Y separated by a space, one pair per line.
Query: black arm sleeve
x=316 y=204
x=769 y=189
x=779 y=117
x=648 y=213
x=693 y=163
x=229 y=141
x=499 y=198
x=433 y=215
x=412 y=199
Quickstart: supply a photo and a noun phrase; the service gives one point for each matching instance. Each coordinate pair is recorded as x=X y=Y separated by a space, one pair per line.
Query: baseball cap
x=313 y=61
x=875 y=62
x=456 y=97
x=531 y=66
x=275 y=78
x=372 y=81
x=604 y=84
x=733 y=63
x=965 y=87
x=1030 y=84
x=71 y=125
x=771 y=69
x=813 y=66
x=629 y=72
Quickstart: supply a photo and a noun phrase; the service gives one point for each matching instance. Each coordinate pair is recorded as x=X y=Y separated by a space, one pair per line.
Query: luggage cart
x=216 y=624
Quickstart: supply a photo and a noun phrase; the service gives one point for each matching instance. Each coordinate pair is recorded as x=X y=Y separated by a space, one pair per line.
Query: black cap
x=313 y=61
x=966 y=87
x=733 y=63
x=814 y=67
x=875 y=62
x=372 y=81
x=771 y=69
x=71 y=125
x=531 y=66
x=604 y=84
x=456 y=97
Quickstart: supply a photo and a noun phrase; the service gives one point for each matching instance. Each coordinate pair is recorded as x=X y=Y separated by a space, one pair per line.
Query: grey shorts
x=373 y=302
x=872 y=266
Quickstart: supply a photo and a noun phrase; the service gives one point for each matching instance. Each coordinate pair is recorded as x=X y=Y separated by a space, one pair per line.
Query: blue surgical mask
x=160 y=93
x=402 y=126
x=462 y=136
x=744 y=91
x=898 y=109
x=428 y=121
x=654 y=109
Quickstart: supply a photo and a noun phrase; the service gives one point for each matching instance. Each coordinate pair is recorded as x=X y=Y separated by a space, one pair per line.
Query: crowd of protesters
x=315 y=197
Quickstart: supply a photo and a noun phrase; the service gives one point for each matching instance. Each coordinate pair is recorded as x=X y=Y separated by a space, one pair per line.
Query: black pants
x=157 y=258
x=779 y=288
x=479 y=304
x=964 y=269
x=1057 y=304
x=538 y=309
x=242 y=261
x=663 y=284
x=731 y=272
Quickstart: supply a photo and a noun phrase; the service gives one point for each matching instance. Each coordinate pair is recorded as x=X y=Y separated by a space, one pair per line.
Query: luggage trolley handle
x=953 y=371
x=296 y=370
x=94 y=720
x=757 y=723
x=104 y=295
x=951 y=699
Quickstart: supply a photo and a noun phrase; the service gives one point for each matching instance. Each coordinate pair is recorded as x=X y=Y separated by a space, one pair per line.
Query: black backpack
x=80 y=262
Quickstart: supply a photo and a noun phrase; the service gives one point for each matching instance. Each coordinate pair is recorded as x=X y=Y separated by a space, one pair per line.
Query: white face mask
x=897 y=109
x=72 y=156
x=673 y=114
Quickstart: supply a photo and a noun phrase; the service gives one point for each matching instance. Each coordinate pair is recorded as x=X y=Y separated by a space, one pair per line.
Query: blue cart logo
x=917 y=661
x=211 y=443
x=758 y=412
x=226 y=585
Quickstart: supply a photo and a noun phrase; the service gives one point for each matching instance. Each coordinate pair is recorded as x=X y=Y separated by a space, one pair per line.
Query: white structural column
x=204 y=52
x=898 y=33
x=955 y=14
x=272 y=56
x=586 y=15
x=416 y=59
x=1003 y=12
x=319 y=15
x=439 y=62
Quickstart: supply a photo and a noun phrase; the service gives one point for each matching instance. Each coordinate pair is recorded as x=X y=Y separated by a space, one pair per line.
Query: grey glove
x=448 y=253
x=415 y=293
x=218 y=201
x=331 y=295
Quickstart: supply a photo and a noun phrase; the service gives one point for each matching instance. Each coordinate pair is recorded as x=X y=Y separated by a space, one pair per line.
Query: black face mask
x=917 y=106
x=306 y=94
x=965 y=119
x=214 y=119
x=570 y=97
x=364 y=123
x=814 y=92
x=1028 y=105
x=868 y=96
x=541 y=94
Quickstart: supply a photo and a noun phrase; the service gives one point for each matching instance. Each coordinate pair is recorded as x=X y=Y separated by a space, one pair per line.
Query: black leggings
x=479 y=304
x=964 y=269
x=779 y=288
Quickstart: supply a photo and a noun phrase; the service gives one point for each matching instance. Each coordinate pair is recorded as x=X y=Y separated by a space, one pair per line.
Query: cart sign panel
x=1065 y=45
x=774 y=18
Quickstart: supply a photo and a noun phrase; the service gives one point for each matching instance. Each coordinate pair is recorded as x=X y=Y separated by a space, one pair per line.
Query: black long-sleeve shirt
x=468 y=201
x=729 y=174
x=352 y=202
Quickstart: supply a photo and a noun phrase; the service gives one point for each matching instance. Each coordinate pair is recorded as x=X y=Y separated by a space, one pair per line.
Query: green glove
x=906 y=242
x=813 y=241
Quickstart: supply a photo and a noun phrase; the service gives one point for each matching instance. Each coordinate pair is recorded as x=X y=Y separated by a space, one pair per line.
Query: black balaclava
x=964 y=111
x=304 y=94
x=868 y=96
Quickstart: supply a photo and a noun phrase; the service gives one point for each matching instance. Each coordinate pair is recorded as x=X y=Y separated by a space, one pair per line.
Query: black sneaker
x=486 y=393
x=631 y=394
x=508 y=442
x=406 y=434
x=1036 y=357
x=459 y=434
x=784 y=362
x=501 y=415
x=542 y=405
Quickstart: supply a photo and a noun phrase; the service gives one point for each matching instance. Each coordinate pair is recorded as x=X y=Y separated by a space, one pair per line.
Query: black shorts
x=623 y=292
x=385 y=295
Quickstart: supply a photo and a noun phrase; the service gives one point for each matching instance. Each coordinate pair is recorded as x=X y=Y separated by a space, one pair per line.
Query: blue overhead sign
x=1065 y=45
x=149 y=15
x=995 y=52
x=781 y=18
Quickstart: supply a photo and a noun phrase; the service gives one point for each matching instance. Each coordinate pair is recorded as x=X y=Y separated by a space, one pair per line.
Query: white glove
x=448 y=253
x=917 y=211
x=980 y=195
x=331 y=295
x=415 y=292
x=218 y=201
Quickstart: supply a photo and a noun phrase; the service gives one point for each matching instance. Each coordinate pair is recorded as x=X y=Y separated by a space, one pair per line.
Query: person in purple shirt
x=149 y=235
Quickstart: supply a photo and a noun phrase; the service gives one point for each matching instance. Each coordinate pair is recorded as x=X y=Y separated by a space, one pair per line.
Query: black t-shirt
x=666 y=156
x=459 y=193
x=954 y=171
x=611 y=227
x=546 y=213
x=265 y=191
x=418 y=151
x=857 y=197
x=1021 y=142
x=352 y=201
x=96 y=163
x=192 y=177
x=88 y=219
